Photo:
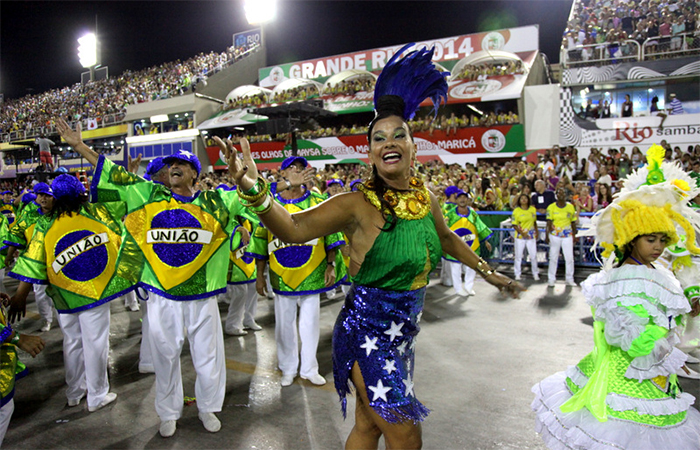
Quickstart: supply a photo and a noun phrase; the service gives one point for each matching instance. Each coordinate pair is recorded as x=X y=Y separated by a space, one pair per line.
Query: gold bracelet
x=483 y=268
x=251 y=199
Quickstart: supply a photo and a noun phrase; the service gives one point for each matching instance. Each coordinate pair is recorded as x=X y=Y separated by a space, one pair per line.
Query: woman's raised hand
x=243 y=171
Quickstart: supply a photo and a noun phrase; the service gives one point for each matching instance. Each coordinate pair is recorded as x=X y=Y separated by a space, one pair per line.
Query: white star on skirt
x=379 y=390
x=370 y=344
x=394 y=330
x=409 y=386
x=389 y=366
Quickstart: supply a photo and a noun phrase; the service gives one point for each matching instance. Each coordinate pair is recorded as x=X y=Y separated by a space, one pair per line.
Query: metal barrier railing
x=503 y=243
x=601 y=54
x=673 y=46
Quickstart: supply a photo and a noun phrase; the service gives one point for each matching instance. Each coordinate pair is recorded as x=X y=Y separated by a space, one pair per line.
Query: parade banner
x=681 y=130
x=514 y=40
x=505 y=139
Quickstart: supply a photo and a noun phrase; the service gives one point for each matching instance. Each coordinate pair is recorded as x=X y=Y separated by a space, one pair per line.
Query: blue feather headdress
x=412 y=79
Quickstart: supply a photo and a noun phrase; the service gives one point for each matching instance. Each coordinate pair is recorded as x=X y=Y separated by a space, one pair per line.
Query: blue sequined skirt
x=378 y=328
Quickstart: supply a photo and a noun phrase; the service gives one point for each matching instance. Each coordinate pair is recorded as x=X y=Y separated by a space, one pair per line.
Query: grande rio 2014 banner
x=497 y=139
x=520 y=42
x=450 y=49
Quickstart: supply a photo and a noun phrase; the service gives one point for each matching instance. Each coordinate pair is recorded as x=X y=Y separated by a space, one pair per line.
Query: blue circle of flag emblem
x=466 y=235
x=177 y=237
x=81 y=255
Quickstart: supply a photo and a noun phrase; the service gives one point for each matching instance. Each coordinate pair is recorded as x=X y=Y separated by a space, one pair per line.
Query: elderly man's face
x=539 y=186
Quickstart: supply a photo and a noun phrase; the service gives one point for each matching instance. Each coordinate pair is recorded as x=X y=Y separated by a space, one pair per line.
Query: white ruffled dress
x=637 y=406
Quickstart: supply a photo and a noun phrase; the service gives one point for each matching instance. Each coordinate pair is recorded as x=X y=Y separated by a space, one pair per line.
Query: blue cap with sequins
x=184 y=155
x=292 y=159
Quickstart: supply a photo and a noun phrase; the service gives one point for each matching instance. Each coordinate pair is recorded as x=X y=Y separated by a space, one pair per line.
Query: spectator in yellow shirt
x=524 y=222
x=561 y=232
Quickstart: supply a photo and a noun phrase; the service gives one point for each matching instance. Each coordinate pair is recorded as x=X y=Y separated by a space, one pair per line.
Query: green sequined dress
x=378 y=325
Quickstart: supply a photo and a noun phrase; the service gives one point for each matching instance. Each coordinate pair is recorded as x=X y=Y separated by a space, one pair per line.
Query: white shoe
x=571 y=283
x=74 y=401
x=517 y=278
x=236 y=332
x=252 y=326
x=550 y=284
x=146 y=368
x=693 y=375
x=287 y=380
x=270 y=295
x=463 y=293
x=472 y=292
x=536 y=277
x=692 y=359
x=134 y=307
x=167 y=428
x=46 y=326
x=109 y=398
x=210 y=421
x=316 y=379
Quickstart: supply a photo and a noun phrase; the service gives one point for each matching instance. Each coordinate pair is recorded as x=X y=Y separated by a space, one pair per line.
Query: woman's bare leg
x=370 y=426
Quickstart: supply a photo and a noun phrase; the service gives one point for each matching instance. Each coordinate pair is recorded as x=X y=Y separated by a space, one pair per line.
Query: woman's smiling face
x=391 y=147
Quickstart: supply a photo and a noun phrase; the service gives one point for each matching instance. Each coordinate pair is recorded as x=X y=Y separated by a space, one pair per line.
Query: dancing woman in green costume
x=396 y=236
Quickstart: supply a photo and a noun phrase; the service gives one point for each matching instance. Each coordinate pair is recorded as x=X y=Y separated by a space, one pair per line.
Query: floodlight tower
x=260 y=12
x=88 y=53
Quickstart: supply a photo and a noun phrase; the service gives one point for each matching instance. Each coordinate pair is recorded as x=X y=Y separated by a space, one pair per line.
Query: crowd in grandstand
x=609 y=24
x=473 y=72
x=589 y=182
x=106 y=100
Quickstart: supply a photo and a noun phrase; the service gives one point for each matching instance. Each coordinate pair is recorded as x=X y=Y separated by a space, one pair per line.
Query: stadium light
x=87 y=50
x=260 y=11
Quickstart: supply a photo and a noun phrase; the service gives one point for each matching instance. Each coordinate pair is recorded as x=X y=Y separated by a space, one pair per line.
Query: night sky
x=38 y=40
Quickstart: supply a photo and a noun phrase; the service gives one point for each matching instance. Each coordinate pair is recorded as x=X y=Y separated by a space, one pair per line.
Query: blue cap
x=354 y=183
x=292 y=159
x=153 y=167
x=67 y=186
x=184 y=155
x=28 y=197
x=333 y=181
x=6 y=192
x=451 y=190
x=43 y=188
x=461 y=192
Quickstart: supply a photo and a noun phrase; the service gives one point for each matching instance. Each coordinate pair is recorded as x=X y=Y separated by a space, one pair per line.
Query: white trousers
x=456 y=269
x=43 y=302
x=145 y=356
x=286 y=333
x=445 y=274
x=567 y=248
x=169 y=321
x=85 y=353
x=242 y=302
x=130 y=299
x=5 y=416
x=520 y=245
